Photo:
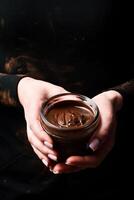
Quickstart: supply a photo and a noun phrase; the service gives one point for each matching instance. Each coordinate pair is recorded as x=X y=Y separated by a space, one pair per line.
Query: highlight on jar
x=70 y=119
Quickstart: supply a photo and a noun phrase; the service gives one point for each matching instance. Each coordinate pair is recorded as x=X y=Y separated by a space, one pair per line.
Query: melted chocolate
x=69 y=114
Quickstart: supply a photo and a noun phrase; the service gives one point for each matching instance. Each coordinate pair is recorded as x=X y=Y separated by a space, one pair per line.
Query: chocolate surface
x=69 y=114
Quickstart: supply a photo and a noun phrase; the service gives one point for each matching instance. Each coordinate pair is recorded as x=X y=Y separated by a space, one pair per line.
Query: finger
x=102 y=133
x=96 y=158
x=40 y=146
x=82 y=161
x=63 y=168
x=41 y=134
x=33 y=121
x=41 y=156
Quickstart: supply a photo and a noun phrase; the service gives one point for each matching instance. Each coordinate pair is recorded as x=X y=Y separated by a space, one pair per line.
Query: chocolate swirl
x=70 y=114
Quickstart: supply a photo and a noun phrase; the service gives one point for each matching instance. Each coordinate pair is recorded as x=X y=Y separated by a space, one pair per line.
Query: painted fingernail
x=56 y=172
x=52 y=157
x=45 y=162
x=68 y=163
x=94 y=144
x=51 y=170
x=49 y=145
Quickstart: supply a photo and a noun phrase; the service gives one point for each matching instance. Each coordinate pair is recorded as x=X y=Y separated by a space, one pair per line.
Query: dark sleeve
x=15 y=68
x=127 y=91
x=8 y=89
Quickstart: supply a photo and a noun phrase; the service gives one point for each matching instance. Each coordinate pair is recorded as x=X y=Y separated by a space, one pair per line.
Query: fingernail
x=52 y=157
x=49 y=145
x=45 y=162
x=94 y=144
x=68 y=163
x=51 y=170
x=56 y=172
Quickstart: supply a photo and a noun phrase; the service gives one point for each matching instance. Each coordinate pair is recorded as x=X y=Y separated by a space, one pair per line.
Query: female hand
x=102 y=141
x=32 y=93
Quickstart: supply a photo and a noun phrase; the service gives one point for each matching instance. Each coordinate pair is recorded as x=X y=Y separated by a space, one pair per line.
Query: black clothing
x=68 y=41
x=80 y=45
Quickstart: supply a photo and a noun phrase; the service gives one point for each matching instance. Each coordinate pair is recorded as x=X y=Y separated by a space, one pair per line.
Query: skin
x=32 y=93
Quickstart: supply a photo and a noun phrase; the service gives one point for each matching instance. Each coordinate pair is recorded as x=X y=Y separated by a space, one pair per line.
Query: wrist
x=116 y=99
x=23 y=83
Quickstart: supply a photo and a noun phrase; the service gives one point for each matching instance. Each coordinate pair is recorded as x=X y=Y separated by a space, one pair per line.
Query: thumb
x=101 y=135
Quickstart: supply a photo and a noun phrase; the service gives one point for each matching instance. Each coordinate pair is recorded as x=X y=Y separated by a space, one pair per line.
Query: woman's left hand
x=102 y=141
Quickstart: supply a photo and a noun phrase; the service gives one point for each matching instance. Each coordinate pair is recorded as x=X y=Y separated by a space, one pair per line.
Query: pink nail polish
x=49 y=145
x=56 y=172
x=45 y=162
x=94 y=144
x=52 y=157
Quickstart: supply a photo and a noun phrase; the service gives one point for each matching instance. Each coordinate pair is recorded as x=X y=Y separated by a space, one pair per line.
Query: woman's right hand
x=32 y=93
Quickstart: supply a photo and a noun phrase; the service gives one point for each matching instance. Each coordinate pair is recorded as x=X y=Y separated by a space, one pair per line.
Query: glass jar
x=70 y=119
